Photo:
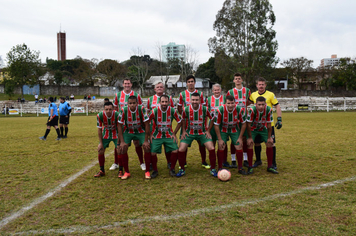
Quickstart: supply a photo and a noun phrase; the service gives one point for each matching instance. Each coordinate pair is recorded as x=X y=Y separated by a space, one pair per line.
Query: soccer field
x=47 y=187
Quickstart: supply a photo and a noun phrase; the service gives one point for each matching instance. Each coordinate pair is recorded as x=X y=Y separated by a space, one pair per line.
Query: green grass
x=312 y=149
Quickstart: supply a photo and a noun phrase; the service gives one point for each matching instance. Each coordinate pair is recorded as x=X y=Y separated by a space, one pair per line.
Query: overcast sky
x=112 y=29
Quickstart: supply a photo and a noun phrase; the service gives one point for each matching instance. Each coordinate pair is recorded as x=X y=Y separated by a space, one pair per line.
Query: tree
x=345 y=74
x=244 y=34
x=138 y=68
x=112 y=70
x=207 y=70
x=24 y=66
x=297 y=69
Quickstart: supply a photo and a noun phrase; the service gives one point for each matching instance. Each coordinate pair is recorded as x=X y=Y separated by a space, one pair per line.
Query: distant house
x=170 y=80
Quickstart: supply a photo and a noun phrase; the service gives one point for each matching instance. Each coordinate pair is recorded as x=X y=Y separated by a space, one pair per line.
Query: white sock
x=245 y=156
x=233 y=157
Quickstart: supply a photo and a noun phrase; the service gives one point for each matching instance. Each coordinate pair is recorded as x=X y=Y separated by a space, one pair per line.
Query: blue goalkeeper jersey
x=64 y=108
x=52 y=106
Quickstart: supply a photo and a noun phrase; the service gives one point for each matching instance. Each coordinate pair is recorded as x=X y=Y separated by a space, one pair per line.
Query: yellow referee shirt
x=271 y=99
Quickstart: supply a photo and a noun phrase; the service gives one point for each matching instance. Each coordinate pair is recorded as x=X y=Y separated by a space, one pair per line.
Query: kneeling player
x=259 y=120
x=133 y=125
x=230 y=119
x=107 y=121
x=193 y=128
x=162 y=134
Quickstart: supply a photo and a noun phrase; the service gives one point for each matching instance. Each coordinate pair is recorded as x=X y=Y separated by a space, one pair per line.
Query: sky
x=117 y=29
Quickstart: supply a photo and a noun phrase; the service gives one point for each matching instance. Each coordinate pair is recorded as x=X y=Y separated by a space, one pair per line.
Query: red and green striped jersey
x=162 y=122
x=195 y=120
x=258 y=119
x=230 y=122
x=214 y=103
x=133 y=121
x=153 y=102
x=184 y=98
x=122 y=98
x=108 y=124
x=241 y=96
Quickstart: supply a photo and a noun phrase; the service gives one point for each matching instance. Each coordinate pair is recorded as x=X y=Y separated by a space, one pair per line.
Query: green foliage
x=207 y=70
x=24 y=66
x=244 y=35
x=345 y=74
x=112 y=70
x=297 y=69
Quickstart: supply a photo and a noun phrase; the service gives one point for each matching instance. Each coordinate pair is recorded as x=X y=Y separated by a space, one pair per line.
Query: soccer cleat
x=121 y=173
x=272 y=170
x=114 y=166
x=143 y=166
x=154 y=174
x=246 y=164
x=172 y=172
x=58 y=138
x=250 y=171
x=275 y=166
x=205 y=165
x=99 y=174
x=168 y=166
x=180 y=173
x=214 y=173
x=242 y=171
x=257 y=163
x=126 y=175
x=65 y=136
x=43 y=138
x=233 y=164
x=226 y=164
x=147 y=175
x=151 y=167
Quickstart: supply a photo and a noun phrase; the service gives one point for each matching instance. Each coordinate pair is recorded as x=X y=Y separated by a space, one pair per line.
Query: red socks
x=168 y=157
x=202 y=153
x=212 y=159
x=154 y=162
x=139 y=154
x=116 y=157
x=269 y=153
x=239 y=157
x=182 y=159
x=148 y=160
x=174 y=157
x=250 y=157
x=101 y=159
x=221 y=154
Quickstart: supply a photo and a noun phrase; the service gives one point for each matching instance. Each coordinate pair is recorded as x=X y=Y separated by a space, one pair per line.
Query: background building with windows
x=173 y=51
x=61 y=46
x=330 y=62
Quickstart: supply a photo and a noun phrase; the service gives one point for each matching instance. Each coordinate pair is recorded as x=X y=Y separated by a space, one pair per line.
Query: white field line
x=82 y=229
x=41 y=199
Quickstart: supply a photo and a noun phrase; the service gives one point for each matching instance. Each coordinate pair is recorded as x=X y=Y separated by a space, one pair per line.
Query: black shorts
x=258 y=137
x=64 y=120
x=53 y=122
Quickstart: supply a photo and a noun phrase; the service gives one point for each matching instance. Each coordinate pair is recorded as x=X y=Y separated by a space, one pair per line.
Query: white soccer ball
x=224 y=175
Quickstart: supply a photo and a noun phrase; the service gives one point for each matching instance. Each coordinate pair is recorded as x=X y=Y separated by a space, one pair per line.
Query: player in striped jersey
x=271 y=101
x=241 y=95
x=107 y=132
x=193 y=128
x=153 y=102
x=185 y=100
x=230 y=122
x=120 y=101
x=259 y=121
x=134 y=125
x=162 y=133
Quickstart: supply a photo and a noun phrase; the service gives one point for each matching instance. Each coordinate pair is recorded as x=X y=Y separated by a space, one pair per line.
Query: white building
x=172 y=51
x=330 y=62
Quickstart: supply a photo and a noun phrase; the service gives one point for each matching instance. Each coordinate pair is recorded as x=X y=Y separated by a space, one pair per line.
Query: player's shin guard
x=125 y=162
x=101 y=159
x=66 y=131
x=225 y=154
x=258 y=153
x=244 y=147
x=47 y=132
x=274 y=157
x=239 y=157
x=174 y=157
x=153 y=161
x=212 y=159
x=250 y=157
x=233 y=152
x=116 y=158
x=120 y=160
x=168 y=157
x=181 y=159
x=269 y=153
x=202 y=151
x=221 y=154
x=139 y=154
x=58 y=134
x=61 y=128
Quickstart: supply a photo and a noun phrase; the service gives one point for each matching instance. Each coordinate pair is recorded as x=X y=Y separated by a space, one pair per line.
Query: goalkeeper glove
x=279 y=123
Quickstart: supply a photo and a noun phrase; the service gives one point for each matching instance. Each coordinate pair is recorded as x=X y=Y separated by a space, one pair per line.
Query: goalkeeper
x=271 y=101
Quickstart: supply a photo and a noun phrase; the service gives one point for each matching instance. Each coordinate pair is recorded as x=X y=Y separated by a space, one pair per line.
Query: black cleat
x=226 y=164
x=257 y=163
x=233 y=164
x=250 y=171
x=246 y=164
x=242 y=171
x=272 y=170
x=172 y=173
x=154 y=174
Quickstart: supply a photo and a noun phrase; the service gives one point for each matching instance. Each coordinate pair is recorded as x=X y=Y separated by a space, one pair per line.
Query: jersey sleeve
x=171 y=101
x=269 y=118
x=116 y=100
x=151 y=115
x=228 y=93
x=249 y=116
x=202 y=99
x=208 y=114
x=176 y=116
x=139 y=99
x=148 y=104
x=181 y=102
x=242 y=118
x=274 y=100
x=144 y=114
x=121 y=116
x=99 y=124
x=252 y=98
x=218 y=116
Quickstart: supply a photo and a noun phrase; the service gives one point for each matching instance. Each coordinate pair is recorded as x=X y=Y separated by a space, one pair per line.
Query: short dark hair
x=260 y=79
x=108 y=104
x=260 y=99
x=50 y=99
x=63 y=98
x=190 y=77
x=132 y=97
x=230 y=98
x=237 y=74
x=128 y=79
x=165 y=96
x=106 y=100
x=195 y=95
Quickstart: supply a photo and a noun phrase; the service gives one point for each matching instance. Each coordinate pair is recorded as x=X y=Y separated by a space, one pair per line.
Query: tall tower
x=61 y=46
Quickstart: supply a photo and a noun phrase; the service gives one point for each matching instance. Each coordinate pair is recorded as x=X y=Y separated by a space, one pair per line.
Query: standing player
x=259 y=120
x=133 y=125
x=162 y=133
x=64 y=112
x=230 y=119
x=153 y=102
x=52 y=120
x=120 y=101
x=107 y=121
x=193 y=128
x=271 y=101
x=185 y=100
x=241 y=95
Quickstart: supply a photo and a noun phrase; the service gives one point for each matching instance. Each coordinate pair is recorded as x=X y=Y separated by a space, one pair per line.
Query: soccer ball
x=224 y=175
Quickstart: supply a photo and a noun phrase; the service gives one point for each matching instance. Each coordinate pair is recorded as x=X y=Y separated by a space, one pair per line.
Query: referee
x=64 y=111
x=52 y=120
